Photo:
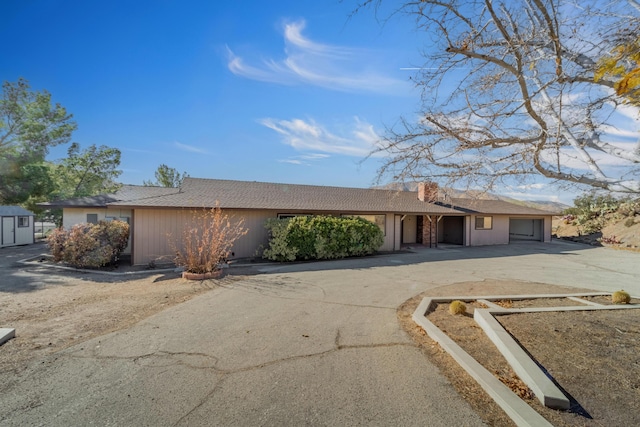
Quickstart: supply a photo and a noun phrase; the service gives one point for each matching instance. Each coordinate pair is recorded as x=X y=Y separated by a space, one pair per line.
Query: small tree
x=167 y=177
x=207 y=240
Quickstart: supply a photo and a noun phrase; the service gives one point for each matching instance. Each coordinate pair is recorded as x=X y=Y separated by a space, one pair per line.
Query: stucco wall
x=498 y=235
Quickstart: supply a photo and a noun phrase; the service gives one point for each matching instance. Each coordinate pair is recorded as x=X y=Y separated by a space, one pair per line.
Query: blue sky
x=281 y=91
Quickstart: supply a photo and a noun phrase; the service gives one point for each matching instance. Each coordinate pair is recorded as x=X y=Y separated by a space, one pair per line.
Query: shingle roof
x=14 y=211
x=198 y=193
x=229 y=194
x=124 y=194
x=496 y=207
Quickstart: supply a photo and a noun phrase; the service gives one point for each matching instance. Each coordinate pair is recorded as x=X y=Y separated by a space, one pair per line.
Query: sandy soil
x=592 y=356
x=618 y=232
x=56 y=316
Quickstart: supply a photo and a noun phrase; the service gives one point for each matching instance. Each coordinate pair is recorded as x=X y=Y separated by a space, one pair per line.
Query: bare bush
x=207 y=240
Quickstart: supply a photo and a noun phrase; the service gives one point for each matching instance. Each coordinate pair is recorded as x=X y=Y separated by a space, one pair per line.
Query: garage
x=526 y=229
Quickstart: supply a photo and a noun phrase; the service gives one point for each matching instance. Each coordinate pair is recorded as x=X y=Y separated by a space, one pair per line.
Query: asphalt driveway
x=305 y=344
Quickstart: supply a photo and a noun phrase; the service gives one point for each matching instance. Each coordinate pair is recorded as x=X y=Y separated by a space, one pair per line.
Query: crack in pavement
x=204 y=361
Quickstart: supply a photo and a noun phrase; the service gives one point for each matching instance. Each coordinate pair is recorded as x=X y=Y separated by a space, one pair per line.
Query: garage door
x=525 y=229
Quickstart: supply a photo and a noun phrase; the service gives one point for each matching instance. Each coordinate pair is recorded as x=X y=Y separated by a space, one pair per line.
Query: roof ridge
x=385 y=190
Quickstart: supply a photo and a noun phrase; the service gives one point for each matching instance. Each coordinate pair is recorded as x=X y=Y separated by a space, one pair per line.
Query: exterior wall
x=73 y=216
x=409 y=229
x=24 y=235
x=19 y=235
x=390 y=233
x=546 y=226
x=498 y=235
x=152 y=228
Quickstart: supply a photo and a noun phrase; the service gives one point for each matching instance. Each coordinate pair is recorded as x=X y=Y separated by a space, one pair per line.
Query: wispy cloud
x=293 y=161
x=359 y=139
x=305 y=159
x=189 y=148
x=308 y=62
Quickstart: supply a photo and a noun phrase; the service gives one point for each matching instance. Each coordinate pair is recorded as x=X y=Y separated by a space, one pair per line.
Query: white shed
x=16 y=226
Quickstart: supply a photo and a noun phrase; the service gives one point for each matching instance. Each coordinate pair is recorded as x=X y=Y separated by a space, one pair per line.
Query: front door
x=8 y=230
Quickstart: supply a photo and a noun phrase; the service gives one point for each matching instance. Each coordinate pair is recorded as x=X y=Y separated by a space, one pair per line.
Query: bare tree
x=508 y=92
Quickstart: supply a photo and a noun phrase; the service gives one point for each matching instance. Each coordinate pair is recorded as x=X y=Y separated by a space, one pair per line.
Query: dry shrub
x=207 y=240
x=621 y=297
x=457 y=307
x=89 y=245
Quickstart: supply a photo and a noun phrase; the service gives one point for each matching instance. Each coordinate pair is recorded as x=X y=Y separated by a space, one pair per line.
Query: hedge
x=321 y=237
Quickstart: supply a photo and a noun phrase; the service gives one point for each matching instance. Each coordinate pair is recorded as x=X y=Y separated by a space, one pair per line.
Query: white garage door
x=525 y=229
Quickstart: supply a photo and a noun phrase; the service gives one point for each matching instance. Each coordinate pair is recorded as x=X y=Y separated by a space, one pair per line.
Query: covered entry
x=526 y=229
x=417 y=228
x=451 y=230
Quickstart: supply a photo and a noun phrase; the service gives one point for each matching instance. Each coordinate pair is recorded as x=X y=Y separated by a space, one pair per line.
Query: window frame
x=20 y=219
x=484 y=225
x=92 y=214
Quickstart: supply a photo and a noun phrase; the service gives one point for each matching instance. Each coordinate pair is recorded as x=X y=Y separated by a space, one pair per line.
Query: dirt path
x=592 y=355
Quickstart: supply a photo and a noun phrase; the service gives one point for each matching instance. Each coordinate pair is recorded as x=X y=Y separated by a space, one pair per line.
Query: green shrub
x=89 y=245
x=457 y=307
x=629 y=222
x=621 y=297
x=590 y=211
x=321 y=237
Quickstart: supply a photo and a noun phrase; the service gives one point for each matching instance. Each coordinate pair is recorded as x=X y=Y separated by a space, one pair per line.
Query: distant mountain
x=447 y=192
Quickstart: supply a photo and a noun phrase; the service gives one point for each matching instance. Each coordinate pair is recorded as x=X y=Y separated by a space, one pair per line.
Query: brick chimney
x=427 y=191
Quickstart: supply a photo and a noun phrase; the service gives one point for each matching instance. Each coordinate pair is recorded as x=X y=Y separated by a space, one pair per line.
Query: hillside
x=615 y=225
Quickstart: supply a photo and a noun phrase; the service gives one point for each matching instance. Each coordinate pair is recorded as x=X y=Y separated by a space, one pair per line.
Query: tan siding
x=410 y=229
x=154 y=229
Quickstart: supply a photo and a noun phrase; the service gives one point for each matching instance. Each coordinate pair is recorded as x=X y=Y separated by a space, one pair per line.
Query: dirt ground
x=57 y=316
x=592 y=356
x=616 y=234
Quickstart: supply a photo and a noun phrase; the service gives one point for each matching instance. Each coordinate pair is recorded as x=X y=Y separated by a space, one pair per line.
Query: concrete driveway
x=305 y=344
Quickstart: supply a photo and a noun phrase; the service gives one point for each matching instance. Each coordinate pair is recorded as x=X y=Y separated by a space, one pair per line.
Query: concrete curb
x=6 y=334
x=543 y=387
x=545 y=390
x=521 y=413
x=29 y=262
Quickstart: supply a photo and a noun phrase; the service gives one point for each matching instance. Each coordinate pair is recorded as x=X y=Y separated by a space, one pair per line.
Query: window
x=484 y=223
x=23 y=221
x=379 y=220
x=289 y=216
x=92 y=218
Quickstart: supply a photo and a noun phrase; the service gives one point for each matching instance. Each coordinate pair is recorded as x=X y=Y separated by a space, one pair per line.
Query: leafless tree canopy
x=509 y=92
